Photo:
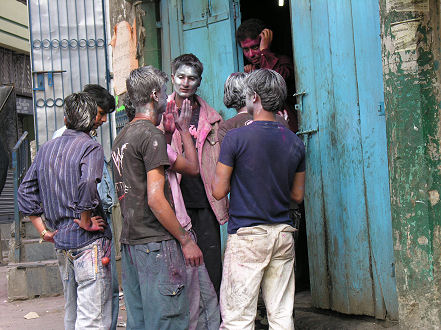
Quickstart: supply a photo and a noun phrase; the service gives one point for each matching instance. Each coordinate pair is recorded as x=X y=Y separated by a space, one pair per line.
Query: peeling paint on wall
x=407 y=5
x=433 y=197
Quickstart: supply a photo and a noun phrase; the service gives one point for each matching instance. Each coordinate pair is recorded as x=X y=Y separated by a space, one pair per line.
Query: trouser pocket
x=85 y=264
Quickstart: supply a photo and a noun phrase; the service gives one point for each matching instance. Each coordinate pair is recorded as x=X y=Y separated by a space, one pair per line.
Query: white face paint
x=186 y=81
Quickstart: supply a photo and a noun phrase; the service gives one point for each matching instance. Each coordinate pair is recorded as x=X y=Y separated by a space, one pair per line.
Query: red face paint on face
x=251 y=49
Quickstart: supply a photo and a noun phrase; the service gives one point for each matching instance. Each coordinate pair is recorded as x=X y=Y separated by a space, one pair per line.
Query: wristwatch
x=44 y=232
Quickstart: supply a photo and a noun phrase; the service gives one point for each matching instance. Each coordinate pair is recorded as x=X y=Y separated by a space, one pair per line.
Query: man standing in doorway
x=264 y=165
x=152 y=239
x=255 y=39
x=62 y=184
x=205 y=212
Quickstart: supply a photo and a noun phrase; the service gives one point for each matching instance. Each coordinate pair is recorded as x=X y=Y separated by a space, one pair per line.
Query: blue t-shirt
x=265 y=157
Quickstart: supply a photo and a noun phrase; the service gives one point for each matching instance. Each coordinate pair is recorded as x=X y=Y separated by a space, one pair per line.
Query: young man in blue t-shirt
x=263 y=164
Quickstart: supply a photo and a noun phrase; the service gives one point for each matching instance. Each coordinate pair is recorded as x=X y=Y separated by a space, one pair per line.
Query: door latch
x=299 y=106
x=306 y=134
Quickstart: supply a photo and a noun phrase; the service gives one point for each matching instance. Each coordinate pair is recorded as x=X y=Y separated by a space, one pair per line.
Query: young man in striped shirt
x=62 y=184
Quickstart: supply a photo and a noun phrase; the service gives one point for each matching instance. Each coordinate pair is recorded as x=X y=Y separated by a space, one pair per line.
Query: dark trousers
x=206 y=227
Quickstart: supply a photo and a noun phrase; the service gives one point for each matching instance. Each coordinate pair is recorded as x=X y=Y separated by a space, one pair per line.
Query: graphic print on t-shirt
x=121 y=188
x=118 y=156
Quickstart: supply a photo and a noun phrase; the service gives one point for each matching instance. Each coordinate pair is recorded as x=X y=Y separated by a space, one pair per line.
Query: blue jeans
x=202 y=298
x=115 y=285
x=86 y=285
x=153 y=279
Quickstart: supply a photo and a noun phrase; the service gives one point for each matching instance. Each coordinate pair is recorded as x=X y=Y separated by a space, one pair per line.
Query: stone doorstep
x=33 y=279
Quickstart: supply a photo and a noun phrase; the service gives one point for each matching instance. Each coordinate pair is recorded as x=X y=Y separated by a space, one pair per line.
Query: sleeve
x=91 y=172
x=28 y=194
x=172 y=155
x=106 y=190
x=280 y=64
x=301 y=165
x=227 y=152
x=221 y=132
x=154 y=152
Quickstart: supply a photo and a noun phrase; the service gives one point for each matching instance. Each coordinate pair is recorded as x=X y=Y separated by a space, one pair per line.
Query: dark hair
x=130 y=109
x=80 y=111
x=142 y=82
x=187 y=59
x=251 y=28
x=102 y=97
x=234 y=91
x=270 y=86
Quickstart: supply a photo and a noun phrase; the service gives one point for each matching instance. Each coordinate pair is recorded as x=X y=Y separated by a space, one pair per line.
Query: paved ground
x=50 y=311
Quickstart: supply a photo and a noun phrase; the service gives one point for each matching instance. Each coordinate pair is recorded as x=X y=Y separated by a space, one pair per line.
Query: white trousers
x=260 y=256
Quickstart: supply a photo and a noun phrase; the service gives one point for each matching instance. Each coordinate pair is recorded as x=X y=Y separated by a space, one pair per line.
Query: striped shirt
x=62 y=183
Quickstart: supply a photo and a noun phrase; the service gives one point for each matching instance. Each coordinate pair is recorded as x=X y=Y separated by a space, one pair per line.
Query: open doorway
x=278 y=19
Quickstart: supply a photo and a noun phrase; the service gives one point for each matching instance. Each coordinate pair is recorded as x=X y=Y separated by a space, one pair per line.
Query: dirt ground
x=51 y=313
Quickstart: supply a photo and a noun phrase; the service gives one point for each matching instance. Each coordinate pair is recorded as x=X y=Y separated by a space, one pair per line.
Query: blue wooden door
x=337 y=55
x=205 y=28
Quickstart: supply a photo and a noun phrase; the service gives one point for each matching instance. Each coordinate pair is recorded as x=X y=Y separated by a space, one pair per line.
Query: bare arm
x=221 y=183
x=165 y=215
x=39 y=225
x=298 y=187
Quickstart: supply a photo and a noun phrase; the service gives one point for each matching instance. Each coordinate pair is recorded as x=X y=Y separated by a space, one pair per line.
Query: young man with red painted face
x=205 y=212
x=255 y=39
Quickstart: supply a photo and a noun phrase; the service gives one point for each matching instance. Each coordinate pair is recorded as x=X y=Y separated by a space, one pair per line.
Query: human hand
x=192 y=253
x=283 y=114
x=96 y=224
x=248 y=68
x=182 y=122
x=266 y=37
x=168 y=118
x=49 y=236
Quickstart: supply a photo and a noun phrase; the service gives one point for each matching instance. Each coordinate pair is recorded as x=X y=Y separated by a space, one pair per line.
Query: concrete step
x=33 y=279
x=32 y=250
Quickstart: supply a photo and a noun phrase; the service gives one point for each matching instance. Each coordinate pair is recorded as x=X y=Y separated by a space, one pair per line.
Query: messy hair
x=270 y=86
x=187 y=59
x=142 y=82
x=234 y=91
x=80 y=111
x=101 y=96
x=251 y=28
x=130 y=109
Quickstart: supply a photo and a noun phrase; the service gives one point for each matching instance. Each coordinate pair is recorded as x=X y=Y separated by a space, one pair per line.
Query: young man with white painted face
x=264 y=164
x=153 y=243
x=205 y=212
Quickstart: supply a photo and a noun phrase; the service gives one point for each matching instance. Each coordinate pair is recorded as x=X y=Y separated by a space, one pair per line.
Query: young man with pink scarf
x=205 y=212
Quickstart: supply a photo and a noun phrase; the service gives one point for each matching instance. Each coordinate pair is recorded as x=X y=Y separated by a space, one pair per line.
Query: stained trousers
x=87 y=286
x=260 y=256
x=153 y=279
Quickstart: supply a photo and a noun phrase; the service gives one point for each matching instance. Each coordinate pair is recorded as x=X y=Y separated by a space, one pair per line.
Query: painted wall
x=411 y=55
x=14 y=32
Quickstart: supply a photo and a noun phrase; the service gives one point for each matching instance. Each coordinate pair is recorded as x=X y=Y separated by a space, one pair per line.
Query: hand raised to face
x=183 y=121
x=266 y=37
x=168 y=118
